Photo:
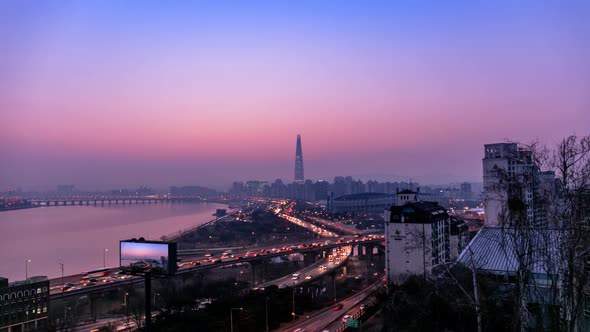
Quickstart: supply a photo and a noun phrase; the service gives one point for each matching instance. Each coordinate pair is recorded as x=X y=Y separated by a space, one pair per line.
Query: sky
x=107 y=94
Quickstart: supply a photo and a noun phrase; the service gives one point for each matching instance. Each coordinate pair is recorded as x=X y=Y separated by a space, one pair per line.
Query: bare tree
x=529 y=207
x=419 y=239
x=571 y=159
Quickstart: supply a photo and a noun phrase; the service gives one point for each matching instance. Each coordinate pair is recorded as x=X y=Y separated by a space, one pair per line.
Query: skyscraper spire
x=299 y=161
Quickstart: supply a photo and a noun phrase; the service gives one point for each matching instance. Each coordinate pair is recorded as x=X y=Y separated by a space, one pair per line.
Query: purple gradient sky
x=104 y=93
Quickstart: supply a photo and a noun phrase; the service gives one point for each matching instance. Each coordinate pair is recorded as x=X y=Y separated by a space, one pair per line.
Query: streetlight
x=231 y=317
x=293 y=312
x=334 y=278
x=125 y=301
x=27 y=261
x=104 y=258
x=266 y=312
x=61 y=265
x=155 y=295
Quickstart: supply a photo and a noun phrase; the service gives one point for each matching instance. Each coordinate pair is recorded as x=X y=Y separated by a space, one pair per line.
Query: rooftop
x=496 y=250
x=361 y=196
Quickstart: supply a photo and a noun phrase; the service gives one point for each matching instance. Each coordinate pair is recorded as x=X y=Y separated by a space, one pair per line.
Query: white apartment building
x=417 y=237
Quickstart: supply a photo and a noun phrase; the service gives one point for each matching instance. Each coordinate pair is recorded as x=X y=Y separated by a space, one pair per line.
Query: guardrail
x=360 y=315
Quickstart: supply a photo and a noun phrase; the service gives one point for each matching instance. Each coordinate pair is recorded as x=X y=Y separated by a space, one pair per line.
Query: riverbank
x=86 y=237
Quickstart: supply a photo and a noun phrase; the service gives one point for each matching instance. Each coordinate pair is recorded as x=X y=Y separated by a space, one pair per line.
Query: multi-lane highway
x=335 y=259
x=326 y=317
x=194 y=263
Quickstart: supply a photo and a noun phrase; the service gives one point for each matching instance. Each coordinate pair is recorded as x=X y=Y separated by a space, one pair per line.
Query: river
x=86 y=237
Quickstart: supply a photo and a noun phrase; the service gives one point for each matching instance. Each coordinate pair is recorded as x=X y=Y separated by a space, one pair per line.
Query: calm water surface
x=79 y=235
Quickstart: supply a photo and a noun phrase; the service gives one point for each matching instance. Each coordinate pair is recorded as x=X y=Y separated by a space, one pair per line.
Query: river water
x=77 y=236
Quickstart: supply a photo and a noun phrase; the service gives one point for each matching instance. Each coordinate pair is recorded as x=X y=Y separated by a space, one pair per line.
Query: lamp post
x=231 y=317
x=125 y=301
x=61 y=265
x=155 y=295
x=27 y=261
x=104 y=258
x=334 y=278
x=293 y=312
x=266 y=312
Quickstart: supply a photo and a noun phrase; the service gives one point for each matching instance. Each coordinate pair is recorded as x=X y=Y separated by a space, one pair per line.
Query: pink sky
x=157 y=98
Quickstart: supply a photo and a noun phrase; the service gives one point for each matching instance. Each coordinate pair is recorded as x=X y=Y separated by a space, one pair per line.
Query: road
x=206 y=263
x=336 y=259
x=326 y=317
x=348 y=229
x=309 y=226
x=119 y=324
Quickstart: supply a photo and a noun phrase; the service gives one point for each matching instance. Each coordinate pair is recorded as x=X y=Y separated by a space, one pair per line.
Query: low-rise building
x=24 y=304
x=361 y=203
x=417 y=238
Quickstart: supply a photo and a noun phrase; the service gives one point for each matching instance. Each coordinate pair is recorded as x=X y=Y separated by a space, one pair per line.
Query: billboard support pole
x=148 y=296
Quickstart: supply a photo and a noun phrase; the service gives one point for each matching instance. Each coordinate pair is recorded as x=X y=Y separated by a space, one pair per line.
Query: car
x=296 y=274
x=362 y=306
x=294 y=278
x=345 y=318
x=109 y=280
x=195 y=263
x=307 y=277
x=337 y=307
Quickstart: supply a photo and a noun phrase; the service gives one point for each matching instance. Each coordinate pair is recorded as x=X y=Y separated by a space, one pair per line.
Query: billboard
x=147 y=256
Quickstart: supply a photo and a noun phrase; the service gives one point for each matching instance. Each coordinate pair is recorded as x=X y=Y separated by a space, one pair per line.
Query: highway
x=202 y=263
x=326 y=317
x=201 y=259
x=348 y=229
x=336 y=259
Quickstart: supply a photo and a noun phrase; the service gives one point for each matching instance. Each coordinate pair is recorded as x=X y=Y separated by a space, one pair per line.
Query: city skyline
x=213 y=93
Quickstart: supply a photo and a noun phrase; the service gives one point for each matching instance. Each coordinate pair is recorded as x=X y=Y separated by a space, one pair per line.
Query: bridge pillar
x=369 y=252
x=254 y=266
x=309 y=258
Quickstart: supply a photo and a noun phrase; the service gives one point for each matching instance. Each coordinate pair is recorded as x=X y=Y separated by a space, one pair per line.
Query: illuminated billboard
x=147 y=256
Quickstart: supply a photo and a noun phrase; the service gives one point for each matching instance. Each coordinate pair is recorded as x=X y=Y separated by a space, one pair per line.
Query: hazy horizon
x=142 y=93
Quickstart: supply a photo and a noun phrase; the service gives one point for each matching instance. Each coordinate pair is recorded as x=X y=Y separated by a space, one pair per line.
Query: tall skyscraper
x=517 y=163
x=299 y=161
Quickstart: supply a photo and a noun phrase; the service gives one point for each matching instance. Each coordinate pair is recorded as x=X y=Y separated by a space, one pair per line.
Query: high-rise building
x=299 y=177
x=515 y=165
